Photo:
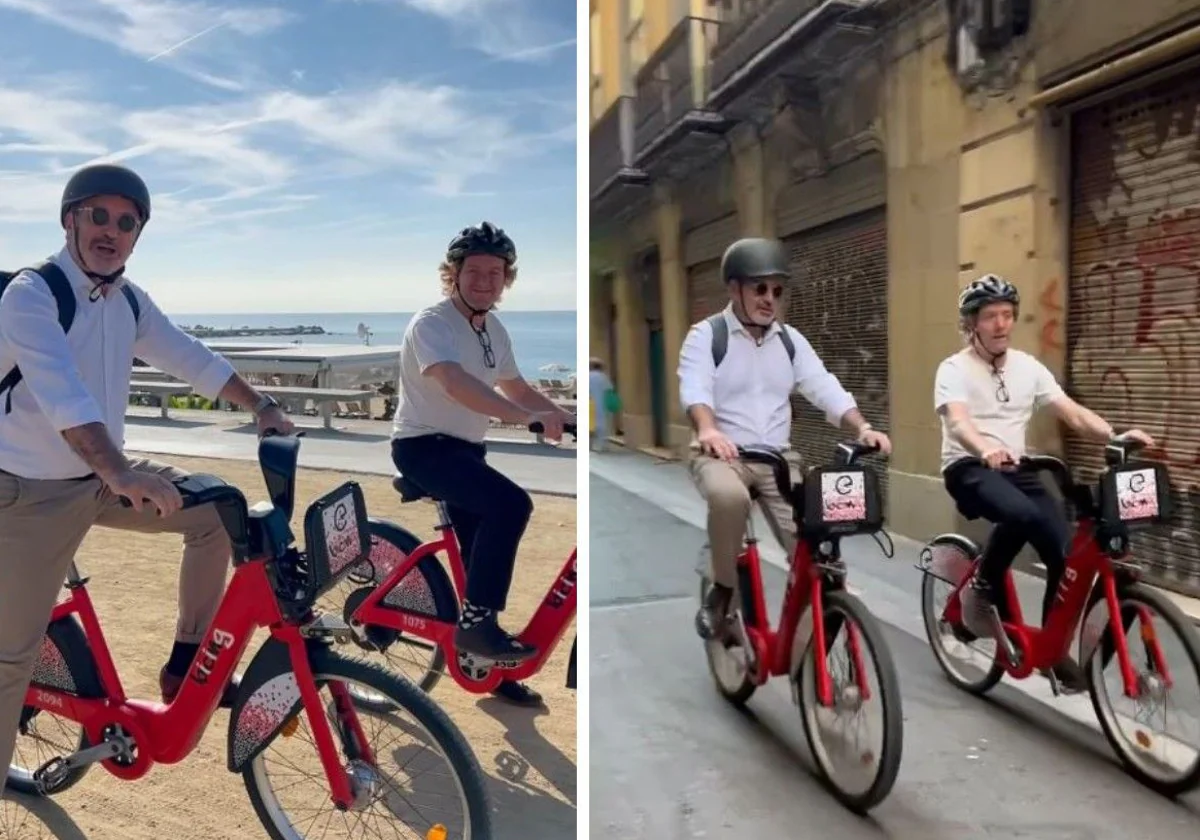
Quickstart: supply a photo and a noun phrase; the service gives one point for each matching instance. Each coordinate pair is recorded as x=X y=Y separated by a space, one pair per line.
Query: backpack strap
x=786 y=337
x=64 y=297
x=133 y=303
x=720 y=339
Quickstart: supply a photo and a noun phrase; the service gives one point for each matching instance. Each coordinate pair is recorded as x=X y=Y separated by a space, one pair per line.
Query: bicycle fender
x=950 y=566
x=269 y=696
x=65 y=662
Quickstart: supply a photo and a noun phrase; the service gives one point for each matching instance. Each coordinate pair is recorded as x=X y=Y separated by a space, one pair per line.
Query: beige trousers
x=726 y=487
x=42 y=523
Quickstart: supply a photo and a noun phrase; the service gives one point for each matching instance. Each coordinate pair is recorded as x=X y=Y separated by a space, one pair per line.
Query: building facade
x=900 y=148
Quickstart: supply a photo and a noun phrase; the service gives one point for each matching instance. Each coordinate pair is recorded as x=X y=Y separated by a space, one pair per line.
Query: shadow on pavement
x=36 y=818
x=316 y=432
x=163 y=422
x=523 y=810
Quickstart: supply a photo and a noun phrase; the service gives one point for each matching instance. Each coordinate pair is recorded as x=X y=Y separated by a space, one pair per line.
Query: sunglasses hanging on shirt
x=485 y=341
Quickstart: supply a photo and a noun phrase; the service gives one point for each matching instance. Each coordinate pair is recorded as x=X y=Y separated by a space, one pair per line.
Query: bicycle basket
x=336 y=536
x=842 y=501
x=1134 y=495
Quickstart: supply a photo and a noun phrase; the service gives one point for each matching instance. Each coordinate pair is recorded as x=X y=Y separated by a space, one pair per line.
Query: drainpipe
x=1160 y=52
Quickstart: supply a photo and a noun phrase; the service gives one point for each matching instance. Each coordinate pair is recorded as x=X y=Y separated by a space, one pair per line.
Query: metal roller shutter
x=841 y=269
x=1133 y=314
x=706 y=292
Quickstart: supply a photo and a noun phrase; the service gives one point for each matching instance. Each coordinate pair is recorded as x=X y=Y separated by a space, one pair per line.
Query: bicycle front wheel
x=859 y=771
x=432 y=778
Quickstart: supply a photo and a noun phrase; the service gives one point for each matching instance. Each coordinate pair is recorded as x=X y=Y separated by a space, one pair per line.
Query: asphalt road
x=670 y=759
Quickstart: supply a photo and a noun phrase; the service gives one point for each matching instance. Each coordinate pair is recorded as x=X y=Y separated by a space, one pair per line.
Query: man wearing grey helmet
x=742 y=399
x=62 y=417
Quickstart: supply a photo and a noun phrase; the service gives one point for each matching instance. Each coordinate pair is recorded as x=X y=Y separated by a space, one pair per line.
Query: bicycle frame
x=166 y=734
x=544 y=629
x=1045 y=646
x=805 y=588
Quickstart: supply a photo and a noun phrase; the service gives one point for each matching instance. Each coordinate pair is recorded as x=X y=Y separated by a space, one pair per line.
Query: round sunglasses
x=100 y=217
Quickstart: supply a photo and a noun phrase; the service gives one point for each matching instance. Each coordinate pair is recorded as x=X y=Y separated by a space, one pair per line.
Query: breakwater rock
x=200 y=331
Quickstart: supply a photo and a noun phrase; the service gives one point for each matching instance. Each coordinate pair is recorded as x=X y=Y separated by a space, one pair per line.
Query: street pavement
x=671 y=759
x=357 y=446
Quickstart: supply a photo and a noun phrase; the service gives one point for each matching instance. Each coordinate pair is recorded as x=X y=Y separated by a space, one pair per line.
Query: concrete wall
x=1084 y=33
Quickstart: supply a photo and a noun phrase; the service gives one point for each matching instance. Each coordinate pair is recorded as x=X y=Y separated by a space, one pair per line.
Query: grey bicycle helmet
x=485 y=239
x=105 y=179
x=754 y=258
x=990 y=288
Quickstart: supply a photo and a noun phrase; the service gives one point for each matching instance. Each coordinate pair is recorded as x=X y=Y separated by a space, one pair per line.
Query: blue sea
x=539 y=338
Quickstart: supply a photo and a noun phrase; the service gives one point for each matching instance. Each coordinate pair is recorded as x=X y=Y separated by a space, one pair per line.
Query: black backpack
x=720 y=339
x=64 y=296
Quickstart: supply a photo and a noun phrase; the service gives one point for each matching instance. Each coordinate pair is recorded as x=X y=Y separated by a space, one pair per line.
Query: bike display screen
x=1135 y=495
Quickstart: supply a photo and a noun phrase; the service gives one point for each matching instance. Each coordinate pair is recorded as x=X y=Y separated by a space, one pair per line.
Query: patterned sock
x=472 y=615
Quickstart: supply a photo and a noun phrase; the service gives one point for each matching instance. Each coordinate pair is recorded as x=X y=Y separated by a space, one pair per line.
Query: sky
x=302 y=155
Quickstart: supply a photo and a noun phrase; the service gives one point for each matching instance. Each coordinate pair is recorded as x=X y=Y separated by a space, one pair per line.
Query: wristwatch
x=265 y=402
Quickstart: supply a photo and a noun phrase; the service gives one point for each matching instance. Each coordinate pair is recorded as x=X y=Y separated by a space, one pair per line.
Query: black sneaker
x=487 y=641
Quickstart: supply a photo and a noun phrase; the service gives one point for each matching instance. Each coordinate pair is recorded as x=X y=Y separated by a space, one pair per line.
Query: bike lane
x=670 y=758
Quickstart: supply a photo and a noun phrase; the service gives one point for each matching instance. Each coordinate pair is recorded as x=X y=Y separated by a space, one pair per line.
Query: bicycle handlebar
x=1117 y=451
x=846 y=455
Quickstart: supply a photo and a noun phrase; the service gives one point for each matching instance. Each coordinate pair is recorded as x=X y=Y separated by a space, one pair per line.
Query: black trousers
x=488 y=511
x=1023 y=511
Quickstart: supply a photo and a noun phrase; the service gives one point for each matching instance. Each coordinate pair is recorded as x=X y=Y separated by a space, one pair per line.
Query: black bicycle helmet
x=486 y=239
x=105 y=179
x=754 y=258
x=990 y=288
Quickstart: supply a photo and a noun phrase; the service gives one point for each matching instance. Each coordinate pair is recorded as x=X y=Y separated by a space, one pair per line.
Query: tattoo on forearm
x=92 y=443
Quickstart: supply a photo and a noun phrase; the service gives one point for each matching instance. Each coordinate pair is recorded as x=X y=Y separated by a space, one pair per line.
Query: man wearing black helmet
x=62 y=430
x=986 y=395
x=737 y=370
x=453 y=357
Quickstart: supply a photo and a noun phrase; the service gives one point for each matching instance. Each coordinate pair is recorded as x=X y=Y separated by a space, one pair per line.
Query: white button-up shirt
x=83 y=376
x=749 y=393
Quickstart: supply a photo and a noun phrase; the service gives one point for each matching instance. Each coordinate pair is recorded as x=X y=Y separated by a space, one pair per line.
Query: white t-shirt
x=966 y=378
x=441 y=333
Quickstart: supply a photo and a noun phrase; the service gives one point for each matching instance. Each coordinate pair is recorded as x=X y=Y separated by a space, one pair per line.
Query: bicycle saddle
x=409 y=491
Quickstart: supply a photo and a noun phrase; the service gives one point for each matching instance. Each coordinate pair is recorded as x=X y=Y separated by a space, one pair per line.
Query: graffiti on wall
x=1050 y=339
x=1137 y=254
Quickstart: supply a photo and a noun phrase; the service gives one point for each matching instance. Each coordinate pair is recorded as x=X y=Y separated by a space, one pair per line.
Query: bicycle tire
x=408 y=697
x=1186 y=633
x=889 y=691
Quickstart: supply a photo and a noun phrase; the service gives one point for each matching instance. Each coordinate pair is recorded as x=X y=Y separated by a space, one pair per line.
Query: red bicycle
x=274 y=586
x=831 y=503
x=402 y=596
x=1100 y=583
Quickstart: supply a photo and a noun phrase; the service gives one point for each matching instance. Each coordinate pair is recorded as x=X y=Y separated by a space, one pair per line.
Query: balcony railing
x=674 y=84
x=611 y=147
x=758 y=34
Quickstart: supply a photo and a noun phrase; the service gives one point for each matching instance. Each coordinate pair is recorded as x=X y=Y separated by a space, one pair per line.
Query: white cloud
x=507 y=30
x=158 y=29
x=263 y=155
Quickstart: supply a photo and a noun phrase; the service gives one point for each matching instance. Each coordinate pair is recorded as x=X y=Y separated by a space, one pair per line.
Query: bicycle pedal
x=51 y=775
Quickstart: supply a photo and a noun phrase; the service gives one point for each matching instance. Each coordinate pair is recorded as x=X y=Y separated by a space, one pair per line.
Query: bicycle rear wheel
x=394 y=790
x=846 y=617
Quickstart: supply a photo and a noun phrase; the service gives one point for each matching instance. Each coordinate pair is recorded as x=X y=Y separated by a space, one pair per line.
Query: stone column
x=675 y=320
